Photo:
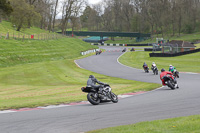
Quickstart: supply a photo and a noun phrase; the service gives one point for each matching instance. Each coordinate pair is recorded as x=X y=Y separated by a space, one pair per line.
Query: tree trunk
x=54 y=16
x=50 y=21
x=179 y=25
x=29 y=23
x=64 y=26
x=19 y=27
x=0 y=17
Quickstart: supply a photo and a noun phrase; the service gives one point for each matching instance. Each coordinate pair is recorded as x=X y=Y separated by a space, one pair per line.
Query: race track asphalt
x=158 y=104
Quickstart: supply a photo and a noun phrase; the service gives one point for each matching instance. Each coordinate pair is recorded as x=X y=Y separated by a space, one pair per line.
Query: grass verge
x=188 y=124
x=185 y=63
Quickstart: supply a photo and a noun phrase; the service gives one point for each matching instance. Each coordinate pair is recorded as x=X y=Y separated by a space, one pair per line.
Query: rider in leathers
x=153 y=65
x=165 y=73
x=92 y=82
x=171 y=68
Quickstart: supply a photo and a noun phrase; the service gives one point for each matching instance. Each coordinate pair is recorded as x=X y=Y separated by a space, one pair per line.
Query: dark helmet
x=91 y=76
x=162 y=70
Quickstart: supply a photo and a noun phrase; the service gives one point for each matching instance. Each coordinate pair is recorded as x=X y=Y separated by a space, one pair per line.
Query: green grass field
x=42 y=72
x=188 y=124
x=14 y=52
x=6 y=26
x=185 y=63
x=197 y=45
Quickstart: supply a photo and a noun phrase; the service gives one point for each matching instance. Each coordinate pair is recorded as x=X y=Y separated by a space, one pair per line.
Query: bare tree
x=54 y=16
x=70 y=8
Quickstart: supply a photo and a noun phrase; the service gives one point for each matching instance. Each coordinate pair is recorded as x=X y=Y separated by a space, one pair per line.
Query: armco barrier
x=173 y=55
x=148 y=44
x=106 y=44
x=151 y=49
x=89 y=51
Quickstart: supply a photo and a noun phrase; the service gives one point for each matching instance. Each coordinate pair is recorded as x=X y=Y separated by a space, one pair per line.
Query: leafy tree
x=21 y=14
x=5 y=8
x=84 y=17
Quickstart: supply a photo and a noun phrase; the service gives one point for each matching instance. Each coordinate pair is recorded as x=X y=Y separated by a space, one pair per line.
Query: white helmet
x=153 y=62
x=170 y=65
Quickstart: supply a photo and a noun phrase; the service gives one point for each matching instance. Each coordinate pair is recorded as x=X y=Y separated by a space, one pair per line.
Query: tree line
x=165 y=17
x=41 y=13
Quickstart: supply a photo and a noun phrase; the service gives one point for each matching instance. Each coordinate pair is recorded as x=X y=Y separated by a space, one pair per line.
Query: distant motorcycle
x=124 y=50
x=132 y=49
x=98 y=52
x=169 y=81
x=146 y=69
x=95 y=98
x=176 y=73
x=155 y=70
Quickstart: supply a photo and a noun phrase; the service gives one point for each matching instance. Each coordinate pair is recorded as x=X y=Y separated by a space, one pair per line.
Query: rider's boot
x=176 y=86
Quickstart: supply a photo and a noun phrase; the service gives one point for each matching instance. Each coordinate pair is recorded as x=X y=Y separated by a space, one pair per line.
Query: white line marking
x=189 y=72
x=77 y=64
x=54 y=106
x=7 y=111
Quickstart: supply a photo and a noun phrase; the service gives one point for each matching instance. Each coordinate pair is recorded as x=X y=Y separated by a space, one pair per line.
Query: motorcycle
x=176 y=73
x=98 y=52
x=146 y=69
x=169 y=81
x=132 y=49
x=95 y=98
x=124 y=50
x=155 y=70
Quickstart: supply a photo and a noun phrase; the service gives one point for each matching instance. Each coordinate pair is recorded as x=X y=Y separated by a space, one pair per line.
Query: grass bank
x=6 y=26
x=188 y=124
x=17 y=52
x=39 y=73
x=185 y=63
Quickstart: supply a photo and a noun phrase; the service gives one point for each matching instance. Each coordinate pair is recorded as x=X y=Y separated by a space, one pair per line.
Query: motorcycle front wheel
x=154 y=72
x=93 y=98
x=114 y=97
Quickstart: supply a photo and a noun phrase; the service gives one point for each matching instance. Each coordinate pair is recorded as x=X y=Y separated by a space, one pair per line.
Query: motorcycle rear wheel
x=92 y=99
x=114 y=97
x=170 y=85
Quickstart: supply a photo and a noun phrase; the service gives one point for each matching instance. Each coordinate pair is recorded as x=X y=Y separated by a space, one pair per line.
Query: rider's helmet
x=91 y=76
x=170 y=65
x=162 y=70
x=153 y=62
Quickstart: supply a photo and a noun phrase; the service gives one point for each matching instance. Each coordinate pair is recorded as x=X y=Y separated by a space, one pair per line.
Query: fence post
x=7 y=35
x=23 y=38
